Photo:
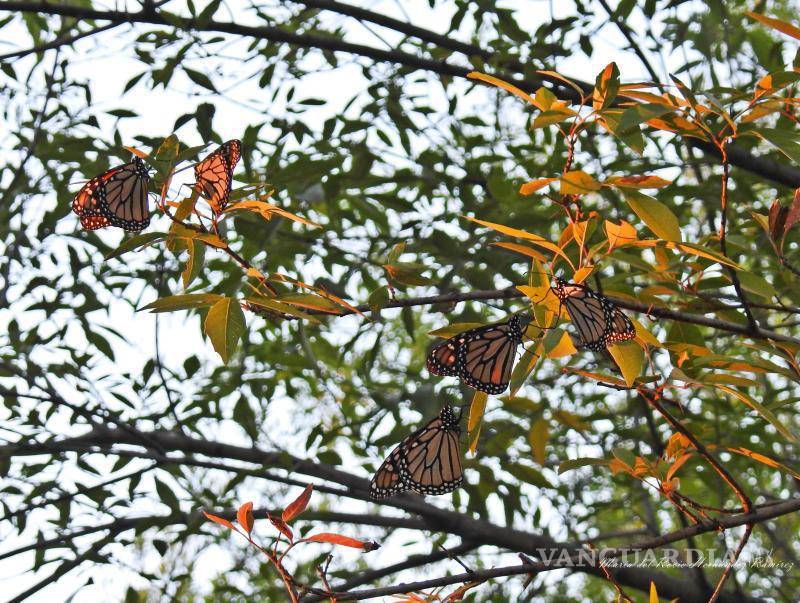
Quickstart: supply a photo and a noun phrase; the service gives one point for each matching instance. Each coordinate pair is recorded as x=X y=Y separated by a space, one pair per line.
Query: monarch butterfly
x=117 y=197
x=427 y=461
x=214 y=175
x=598 y=321
x=481 y=357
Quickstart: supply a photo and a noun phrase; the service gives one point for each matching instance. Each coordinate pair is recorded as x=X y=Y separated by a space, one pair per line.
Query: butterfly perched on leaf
x=428 y=461
x=117 y=197
x=214 y=175
x=597 y=320
x=482 y=358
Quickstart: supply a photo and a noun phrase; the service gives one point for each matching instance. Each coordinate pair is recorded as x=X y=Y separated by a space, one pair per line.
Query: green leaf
x=537 y=437
x=529 y=475
x=760 y=409
x=786 y=141
x=524 y=368
x=756 y=284
x=639 y=114
x=201 y=79
x=378 y=299
x=136 y=243
x=224 y=326
x=194 y=264
x=183 y=302
x=166 y=495
x=658 y=217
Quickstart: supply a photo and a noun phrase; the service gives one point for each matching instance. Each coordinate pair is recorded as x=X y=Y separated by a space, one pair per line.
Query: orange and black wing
x=487 y=356
x=214 y=175
x=387 y=479
x=430 y=461
x=596 y=319
x=118 y=197
x=482 y=357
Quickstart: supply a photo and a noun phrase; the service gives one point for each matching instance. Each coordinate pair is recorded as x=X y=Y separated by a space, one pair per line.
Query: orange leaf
x=220 y=520
x=677 y=465
x=781 y=26
x=298 y=505
x=343 y=541
x=534 y=185
x=475 y=75
x=245 y=516
x=282 y=527
x=637 y=181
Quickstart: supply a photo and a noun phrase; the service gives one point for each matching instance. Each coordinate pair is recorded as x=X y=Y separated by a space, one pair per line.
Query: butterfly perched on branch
x=117 y=197
x=482 y=358
x=598 y=321
x=428 y=461
x=214 y=175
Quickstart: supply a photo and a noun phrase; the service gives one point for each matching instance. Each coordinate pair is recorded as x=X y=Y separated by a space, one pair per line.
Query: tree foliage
x=400 y=184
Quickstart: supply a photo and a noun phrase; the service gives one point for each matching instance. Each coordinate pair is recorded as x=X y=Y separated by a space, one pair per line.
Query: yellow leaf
x=643 y=336
x=629 y=357
x=534 y=185
x=476 y=410
x=578 y=182
x=564 y=347
x=653 y=592
x=515 y=232
x=582 y=274
x=537 y=437
x=523 y=249
x=474 y=75
x=781 y=26
x=619 y=234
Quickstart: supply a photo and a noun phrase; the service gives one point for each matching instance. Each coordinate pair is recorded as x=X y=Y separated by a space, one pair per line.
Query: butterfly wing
x=214 y=175
x=117 y=197
x=487 y=356
x=443 y=359
x=430 y=462
x=622 y=329
x=482 y=357
x=387 y=480
x=596 y=319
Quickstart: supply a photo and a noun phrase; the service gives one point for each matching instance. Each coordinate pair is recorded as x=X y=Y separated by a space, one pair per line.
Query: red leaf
x=296 y=507
x=794 y=213
x=282 y=527
x=343 y=540
x=245 y=516
x=777 y=220
x=220 y=520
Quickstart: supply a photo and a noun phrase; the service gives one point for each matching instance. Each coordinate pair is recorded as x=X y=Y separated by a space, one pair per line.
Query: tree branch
x=512 y=293
x=435 y=518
